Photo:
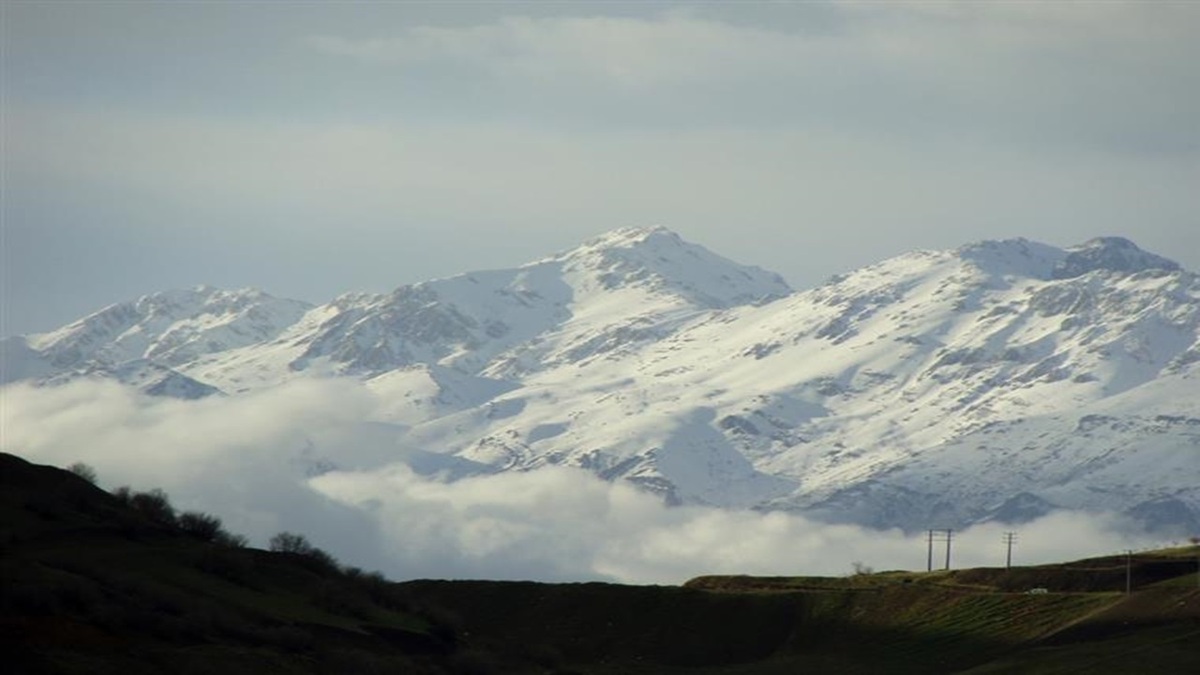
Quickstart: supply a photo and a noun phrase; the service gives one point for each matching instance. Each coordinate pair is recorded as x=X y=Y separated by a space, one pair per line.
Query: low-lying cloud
x=306 y=457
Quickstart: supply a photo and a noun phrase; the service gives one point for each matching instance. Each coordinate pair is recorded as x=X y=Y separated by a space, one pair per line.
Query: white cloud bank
x=249 y=460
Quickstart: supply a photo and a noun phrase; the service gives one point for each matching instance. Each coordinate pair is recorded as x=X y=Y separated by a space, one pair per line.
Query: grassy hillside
x=983 y=621
x=874 y=625
x=94 y=583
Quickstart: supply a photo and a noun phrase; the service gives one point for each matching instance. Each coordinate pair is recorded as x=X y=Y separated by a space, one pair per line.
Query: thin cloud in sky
x=317 y=150
x=1025 y=70
x=620 y=50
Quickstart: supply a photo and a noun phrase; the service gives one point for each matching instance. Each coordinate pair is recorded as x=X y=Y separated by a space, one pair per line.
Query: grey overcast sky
x=311 y=148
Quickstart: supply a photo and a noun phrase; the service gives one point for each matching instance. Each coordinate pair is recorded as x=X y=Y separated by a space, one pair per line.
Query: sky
x=311 y=149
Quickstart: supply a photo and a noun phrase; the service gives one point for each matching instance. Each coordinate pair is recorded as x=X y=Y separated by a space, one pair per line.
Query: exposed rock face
x=1112 y=254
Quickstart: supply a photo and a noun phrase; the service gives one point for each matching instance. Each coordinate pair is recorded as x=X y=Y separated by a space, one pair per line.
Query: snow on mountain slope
x=816 y=400
x=1001 y=380
x=145 y=343
x=420 y=393
x=158 y=333
x=621 y=289
x=142 y=374
x=1114 y=254
x=170 y=328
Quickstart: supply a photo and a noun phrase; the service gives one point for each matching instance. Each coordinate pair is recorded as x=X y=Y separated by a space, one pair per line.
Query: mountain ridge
x=949 y=386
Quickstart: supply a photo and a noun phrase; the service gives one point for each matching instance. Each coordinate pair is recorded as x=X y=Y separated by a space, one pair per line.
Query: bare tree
x=290 y=542
x=84 y=471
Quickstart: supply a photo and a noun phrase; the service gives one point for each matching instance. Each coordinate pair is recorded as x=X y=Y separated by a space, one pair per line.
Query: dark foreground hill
x=95 y=584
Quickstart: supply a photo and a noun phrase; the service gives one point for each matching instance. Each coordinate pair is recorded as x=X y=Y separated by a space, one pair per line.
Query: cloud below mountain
x=252 y=461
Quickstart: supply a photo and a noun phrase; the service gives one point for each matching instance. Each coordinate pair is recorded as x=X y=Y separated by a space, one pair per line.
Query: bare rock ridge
x=1113 y=254
x=1000 y=381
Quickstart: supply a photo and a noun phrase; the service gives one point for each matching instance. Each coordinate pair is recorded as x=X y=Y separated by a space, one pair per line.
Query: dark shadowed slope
x=95 y=585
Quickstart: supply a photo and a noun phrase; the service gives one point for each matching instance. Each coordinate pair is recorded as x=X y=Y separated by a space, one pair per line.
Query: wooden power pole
x=937 y=535
x=1009 y=539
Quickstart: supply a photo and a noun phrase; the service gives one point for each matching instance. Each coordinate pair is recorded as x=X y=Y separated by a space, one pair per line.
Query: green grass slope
x=977 y=621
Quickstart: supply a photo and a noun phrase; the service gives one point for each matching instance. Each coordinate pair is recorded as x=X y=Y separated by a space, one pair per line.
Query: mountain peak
x=1040 y=261
x=632 y=235
x=656 y=259
x=171 y=326
x=629 y=238
x=1020 y=257
x=1114 y=254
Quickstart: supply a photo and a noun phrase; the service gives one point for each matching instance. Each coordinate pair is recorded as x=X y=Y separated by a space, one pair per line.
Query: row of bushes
x=155 y=504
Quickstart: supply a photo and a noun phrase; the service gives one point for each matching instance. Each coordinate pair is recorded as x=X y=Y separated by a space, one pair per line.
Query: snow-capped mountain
x=621 y=290
x=144 y=342
x=999 y=381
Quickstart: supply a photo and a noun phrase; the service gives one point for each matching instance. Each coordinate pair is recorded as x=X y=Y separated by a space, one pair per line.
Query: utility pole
x=932 y=536
x=1009 y=539
x=1196 y=542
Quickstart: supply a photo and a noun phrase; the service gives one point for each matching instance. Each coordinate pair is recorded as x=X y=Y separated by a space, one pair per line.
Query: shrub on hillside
x=298 y=544
x=290 y=542
x=231 y=540
x=84 y=471
x=200 y=525
x=155 y=505
x=320 y=561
